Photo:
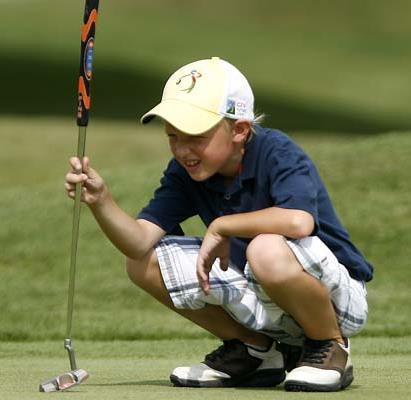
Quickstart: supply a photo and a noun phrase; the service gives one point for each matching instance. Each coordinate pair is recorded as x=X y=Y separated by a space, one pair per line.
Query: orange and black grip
x=86 y=60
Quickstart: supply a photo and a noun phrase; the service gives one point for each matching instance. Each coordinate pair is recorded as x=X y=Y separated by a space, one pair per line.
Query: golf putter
x=76 y=375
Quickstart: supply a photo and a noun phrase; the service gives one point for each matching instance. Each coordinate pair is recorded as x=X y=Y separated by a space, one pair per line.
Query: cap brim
x=183 y=116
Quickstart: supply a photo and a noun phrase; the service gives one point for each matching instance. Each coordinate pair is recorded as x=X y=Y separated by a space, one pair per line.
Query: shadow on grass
x=168 y=383
x=39 y=87
x=136 y=383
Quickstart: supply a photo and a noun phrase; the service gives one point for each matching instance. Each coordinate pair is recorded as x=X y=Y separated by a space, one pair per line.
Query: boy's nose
x=182 y=149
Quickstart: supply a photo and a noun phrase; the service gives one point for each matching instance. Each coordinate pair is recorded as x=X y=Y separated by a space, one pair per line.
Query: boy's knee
x=265 y=248
x=140 y=270
x=146 y=274
x=271 y=259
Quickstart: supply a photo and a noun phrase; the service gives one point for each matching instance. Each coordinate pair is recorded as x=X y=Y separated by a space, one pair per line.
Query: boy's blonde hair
x=258 y=119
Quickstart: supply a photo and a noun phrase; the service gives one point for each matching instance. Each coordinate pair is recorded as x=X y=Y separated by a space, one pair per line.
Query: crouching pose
x=276 y=277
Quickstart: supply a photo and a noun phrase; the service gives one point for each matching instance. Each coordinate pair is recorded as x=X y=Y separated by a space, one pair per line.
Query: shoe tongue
x=256 y=353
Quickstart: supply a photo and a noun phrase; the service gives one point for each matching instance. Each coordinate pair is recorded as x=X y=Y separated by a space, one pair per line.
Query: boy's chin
x=199 y=176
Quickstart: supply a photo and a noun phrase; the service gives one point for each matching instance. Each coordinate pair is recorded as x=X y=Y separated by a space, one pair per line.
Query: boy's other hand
x=93 y=186
x=214 y=246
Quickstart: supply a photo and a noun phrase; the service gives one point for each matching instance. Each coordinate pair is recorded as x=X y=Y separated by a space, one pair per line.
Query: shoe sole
x=264 y=378
x=298 y=386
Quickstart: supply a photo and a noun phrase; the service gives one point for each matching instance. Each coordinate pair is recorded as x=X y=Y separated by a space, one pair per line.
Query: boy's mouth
x=191 y=163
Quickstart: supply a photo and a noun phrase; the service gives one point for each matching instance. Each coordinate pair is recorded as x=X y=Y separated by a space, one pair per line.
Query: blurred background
x=329 y=65
x=334 y=75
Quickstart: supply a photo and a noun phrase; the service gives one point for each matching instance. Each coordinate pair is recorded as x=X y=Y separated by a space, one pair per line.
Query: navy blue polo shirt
x=275 y=172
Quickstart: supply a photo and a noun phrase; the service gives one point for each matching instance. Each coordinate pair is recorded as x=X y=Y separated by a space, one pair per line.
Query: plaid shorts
x=244 y=299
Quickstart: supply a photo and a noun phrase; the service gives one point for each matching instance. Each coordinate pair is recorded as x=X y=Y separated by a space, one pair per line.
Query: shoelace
x=316 y=351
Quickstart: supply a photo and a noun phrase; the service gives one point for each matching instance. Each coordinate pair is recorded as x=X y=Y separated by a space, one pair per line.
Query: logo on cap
x=189 y=80
x=230 y=109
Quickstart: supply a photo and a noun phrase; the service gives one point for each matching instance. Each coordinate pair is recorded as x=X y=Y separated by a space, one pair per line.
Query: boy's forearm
x=290 y=223
x=126 y=233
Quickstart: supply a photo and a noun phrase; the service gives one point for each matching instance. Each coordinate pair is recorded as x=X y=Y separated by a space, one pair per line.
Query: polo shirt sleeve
x=293 y=181
x=171 y=203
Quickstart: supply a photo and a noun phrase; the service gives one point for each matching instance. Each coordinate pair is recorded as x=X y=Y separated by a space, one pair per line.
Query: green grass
x=316 y=67
x=367 y=177
x=140 y=370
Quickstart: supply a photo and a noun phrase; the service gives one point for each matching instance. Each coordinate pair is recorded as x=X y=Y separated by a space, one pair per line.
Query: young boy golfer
x=276 y=271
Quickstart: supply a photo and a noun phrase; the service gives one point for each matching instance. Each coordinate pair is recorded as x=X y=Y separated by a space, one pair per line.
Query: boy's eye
x=199 y=137
x=189 y=139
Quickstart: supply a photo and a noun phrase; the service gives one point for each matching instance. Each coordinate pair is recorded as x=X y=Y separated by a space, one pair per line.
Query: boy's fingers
x=80 y=165
x=203 y=281
x=76 y=178
x=224 y=263
x=86 y=164
x=69 y=187
x=91 y=173
x=75 y=164
x=205 y=286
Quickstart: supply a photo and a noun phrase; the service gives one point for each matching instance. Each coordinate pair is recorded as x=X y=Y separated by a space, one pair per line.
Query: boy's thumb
x=86 y=164
x=224 y=263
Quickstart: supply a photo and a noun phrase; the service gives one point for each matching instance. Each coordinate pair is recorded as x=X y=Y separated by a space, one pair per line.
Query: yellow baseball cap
x=200 y=94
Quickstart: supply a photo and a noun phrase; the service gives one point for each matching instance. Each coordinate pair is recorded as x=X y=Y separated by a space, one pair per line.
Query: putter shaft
x=81 y=144
x=76 y=376
x=72 y=357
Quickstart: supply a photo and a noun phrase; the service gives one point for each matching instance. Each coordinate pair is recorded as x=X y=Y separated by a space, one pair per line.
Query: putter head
x=65 y=381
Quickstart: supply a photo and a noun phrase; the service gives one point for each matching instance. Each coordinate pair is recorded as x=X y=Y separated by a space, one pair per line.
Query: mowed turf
x=129 y=342
x=367 y=176
x=140 y=369
x=320 y=66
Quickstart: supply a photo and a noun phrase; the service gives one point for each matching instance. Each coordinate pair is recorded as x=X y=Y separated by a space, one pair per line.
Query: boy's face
x=216 y=151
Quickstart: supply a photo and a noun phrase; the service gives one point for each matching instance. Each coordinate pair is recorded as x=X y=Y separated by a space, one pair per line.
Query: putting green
x=139 y=370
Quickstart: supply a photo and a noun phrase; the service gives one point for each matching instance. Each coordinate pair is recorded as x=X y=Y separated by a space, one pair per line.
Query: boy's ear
x=241 y=130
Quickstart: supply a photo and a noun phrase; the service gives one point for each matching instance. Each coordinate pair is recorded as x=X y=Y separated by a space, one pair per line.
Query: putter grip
x=86 y=60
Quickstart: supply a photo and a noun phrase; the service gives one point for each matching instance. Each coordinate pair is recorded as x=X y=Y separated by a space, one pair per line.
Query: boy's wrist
x=218 y=227
x=103 y=199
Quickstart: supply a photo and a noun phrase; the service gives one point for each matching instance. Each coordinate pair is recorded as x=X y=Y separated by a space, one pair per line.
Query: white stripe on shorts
x=177 y=257
x=243 y=297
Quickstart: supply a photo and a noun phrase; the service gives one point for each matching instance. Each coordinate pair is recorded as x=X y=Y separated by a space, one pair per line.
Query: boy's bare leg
x=146 y=274
x=324 y=365
x=234 y=363
x=291 y=288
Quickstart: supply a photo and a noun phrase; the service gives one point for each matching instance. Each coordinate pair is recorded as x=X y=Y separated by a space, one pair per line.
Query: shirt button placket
x=226 y=210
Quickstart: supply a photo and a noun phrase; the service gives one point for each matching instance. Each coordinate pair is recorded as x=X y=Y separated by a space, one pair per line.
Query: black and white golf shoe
x=234 y=364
